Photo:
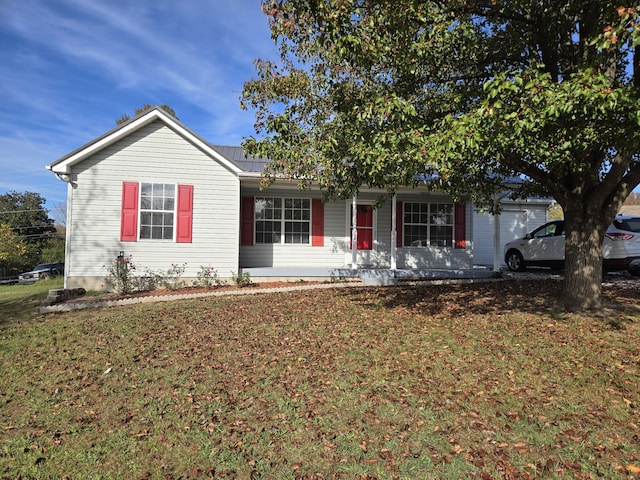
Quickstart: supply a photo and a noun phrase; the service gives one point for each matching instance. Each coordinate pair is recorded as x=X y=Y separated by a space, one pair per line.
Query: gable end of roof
x=64 y=164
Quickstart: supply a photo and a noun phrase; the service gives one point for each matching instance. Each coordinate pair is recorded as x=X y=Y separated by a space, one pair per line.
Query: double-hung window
x=282 y=220
x=427 y=224
x=157 y=210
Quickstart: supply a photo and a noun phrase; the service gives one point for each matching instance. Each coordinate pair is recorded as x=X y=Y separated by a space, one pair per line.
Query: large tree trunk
x=584 y=230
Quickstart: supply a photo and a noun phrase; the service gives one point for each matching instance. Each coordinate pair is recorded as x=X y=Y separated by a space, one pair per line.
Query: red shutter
x=460 y=226
x=129 y=213
x=184 y=225
x=246 y=234
x=317 y=223
x=399 y=222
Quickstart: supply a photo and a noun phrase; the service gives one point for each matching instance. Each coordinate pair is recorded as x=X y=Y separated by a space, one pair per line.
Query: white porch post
x=354 y=233
x=394 y=233
x=497 y=252
x=496 y=242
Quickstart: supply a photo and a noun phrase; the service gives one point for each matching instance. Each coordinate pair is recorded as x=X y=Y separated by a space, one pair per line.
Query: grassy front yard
x=18 y=302
x=470 y=381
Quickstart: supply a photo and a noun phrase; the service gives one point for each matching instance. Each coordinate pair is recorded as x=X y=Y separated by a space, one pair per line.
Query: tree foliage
x=11 y=246
x=459 y=94
x=27 y=218
x=54 y=250
x=125 y=117
x=26 y=215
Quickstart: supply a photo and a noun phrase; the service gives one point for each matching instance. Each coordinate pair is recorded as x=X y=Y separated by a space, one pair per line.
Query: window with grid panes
x=157 y=211
x=427 y=224
x=297 y=220
x=282 y=220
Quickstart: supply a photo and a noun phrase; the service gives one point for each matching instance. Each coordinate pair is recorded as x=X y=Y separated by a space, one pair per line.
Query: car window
x=550 y=230
x=629 y=224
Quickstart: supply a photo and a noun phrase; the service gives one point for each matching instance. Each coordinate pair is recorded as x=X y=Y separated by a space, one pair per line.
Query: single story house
x=153 y=189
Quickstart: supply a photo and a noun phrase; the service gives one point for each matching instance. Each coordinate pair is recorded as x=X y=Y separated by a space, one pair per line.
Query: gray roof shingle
x=237 y=156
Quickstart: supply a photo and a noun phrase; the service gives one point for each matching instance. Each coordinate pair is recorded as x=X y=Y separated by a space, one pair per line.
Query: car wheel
x=515 y=262
x=45 y=276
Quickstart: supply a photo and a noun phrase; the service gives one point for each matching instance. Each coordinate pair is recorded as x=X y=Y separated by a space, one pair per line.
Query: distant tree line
x=27 y=235
x=556 y=213
x=633 y=199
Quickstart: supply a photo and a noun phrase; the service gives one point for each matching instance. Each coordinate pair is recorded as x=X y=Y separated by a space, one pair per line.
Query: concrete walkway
x=79 y=305
x=84 y=304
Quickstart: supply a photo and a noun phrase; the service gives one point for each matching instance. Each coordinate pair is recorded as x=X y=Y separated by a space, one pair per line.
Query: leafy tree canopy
x=11 y=246
x=459 y=94
x=24 y=215
x=125 y=117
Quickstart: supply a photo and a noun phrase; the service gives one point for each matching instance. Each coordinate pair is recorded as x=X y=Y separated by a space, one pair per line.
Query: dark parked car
x=45 y=270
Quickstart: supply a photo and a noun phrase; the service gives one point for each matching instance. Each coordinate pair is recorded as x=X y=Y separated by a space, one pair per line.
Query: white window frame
x=163 y=211
x=432 y=220
x=279 y=217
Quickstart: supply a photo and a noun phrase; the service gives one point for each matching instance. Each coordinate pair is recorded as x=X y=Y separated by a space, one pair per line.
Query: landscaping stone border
x=49 y=306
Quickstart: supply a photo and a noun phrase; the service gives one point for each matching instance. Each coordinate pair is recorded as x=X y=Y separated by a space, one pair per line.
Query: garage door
x=514 y=224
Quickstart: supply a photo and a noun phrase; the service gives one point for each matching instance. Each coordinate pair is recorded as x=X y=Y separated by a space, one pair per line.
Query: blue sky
x=70 y=68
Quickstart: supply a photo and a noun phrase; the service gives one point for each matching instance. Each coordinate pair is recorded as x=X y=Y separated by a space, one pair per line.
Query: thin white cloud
x=138 y=50
x=72 y=67
x=23 y=169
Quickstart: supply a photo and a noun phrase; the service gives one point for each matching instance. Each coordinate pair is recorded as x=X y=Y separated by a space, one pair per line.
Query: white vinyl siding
x=153 y=154
x=336 y=252
x=436 y=255
x=280 y=254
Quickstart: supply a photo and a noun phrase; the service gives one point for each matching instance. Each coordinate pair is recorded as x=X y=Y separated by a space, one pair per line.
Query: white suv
x=544 y=247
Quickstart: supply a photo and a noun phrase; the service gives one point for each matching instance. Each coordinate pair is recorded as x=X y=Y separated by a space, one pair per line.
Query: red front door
x=364 y=223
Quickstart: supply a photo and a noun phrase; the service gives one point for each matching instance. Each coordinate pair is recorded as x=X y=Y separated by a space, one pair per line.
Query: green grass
x=18 y=302
x=468 y=381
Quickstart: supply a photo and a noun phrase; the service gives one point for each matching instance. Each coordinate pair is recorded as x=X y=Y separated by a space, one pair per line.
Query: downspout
x=354 y=233
x=67 y=240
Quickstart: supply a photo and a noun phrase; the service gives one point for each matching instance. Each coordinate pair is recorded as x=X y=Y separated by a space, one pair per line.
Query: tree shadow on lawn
x=18 y=302
x=487 y=298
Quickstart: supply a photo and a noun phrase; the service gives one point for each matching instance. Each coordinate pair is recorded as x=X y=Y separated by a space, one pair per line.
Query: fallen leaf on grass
x=633 y=468
x=521 y=447
x=142 y=434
